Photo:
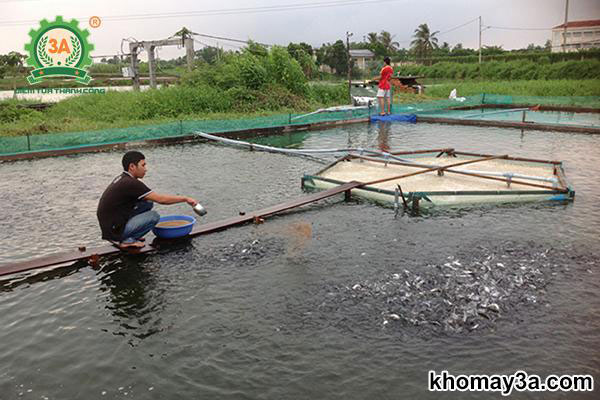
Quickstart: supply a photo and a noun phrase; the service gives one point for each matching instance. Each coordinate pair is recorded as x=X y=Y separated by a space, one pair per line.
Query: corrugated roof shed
x=361 y=53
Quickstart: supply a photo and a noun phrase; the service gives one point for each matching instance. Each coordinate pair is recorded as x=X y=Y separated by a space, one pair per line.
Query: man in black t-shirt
x=125 y=208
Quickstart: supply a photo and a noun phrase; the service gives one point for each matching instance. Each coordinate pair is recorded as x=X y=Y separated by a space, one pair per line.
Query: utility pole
x=480 y=39
x=565 y=28
x=348 y=34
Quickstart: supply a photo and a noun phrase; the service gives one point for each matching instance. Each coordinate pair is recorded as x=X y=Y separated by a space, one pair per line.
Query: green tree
x=459 y=51
x=372 y=38
x=534 y=47
x=286 y=71
x=257 y=49
x=183 y=33
x=382 y=44
x=303 y=53
x=115 y=60
x=492 y=50
x=12 y=63
x=442 y=51
x=424 y=41
x=252 y=72
x=387 y=41
x=294 y=48
x=306 y=63
x=335 y=56
x=321 y=53
x=208 y=54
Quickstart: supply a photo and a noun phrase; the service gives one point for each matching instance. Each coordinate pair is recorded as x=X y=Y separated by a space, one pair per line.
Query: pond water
x=301 y=306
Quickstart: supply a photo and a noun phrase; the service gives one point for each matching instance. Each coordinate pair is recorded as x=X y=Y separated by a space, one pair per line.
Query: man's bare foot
x=132 y=245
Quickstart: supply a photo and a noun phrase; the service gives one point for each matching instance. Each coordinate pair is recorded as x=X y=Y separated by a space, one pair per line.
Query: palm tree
x=424 y=41
x=372 y=38
x=386 y=39
x=183 y=32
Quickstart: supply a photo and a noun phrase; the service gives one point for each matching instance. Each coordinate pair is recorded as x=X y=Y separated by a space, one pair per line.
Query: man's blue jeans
x=142 y=222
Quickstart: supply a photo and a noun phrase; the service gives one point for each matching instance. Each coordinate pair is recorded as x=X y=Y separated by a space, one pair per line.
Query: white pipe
x=280 y=150
x=360 y=152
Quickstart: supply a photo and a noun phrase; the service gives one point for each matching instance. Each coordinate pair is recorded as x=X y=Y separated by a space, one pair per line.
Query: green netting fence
x=68 y=140
x=518 y=112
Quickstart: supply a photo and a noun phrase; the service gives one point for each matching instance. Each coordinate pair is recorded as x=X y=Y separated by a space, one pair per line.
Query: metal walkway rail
x=87 y=254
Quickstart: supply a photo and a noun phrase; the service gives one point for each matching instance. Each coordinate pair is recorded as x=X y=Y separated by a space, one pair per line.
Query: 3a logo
x=59 y=48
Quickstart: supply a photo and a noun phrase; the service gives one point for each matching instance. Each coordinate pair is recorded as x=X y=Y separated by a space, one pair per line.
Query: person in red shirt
x=384 y=91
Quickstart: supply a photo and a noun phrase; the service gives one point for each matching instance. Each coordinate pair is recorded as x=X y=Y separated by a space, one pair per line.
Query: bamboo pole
x=558 y=171
x=399 y=153
x=563 y=189
x=464 y=153
x=431 y=169
x=508 y=181
x=402 y=194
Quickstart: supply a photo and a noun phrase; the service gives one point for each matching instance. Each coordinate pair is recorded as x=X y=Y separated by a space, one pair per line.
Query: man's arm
x=169 y=199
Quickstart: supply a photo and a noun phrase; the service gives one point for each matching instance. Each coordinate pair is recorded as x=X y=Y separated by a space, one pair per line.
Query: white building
x=361 y=57
x=580 y=35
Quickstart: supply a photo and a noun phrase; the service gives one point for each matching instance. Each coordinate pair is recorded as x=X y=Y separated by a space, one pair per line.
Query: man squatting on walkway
x=125 y=208
x=384 y=92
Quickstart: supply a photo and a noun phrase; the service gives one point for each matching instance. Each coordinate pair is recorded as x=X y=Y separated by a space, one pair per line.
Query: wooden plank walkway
x=86 y=254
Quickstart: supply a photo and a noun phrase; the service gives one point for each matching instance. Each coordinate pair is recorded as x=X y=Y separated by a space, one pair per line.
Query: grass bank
x=570 y=87
x=204 y=95
x=255 y=82
x=125 y=109
x=542 y=69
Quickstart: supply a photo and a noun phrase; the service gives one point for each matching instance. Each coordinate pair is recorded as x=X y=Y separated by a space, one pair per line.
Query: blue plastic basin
x=171 y=232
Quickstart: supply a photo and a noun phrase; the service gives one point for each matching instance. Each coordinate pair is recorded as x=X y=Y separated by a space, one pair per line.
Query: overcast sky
x=316 y=24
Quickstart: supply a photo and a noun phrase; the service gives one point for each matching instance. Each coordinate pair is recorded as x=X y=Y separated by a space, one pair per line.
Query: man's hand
x=169 y=199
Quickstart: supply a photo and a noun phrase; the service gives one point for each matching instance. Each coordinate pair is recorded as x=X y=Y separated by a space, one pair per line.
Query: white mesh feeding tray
x=445 y=177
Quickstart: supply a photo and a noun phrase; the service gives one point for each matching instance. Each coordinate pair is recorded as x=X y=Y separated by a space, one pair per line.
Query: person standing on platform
x=384 y=93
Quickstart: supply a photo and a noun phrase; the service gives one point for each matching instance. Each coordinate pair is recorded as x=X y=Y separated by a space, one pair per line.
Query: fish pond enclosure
x=337 y=299
x=446 y=177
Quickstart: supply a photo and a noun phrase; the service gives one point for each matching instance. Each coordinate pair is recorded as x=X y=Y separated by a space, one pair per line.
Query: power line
x=442 y=32
x=518 y=29
x=202 y=43
x=229 y=39
x=459 y=26
x=229 y=11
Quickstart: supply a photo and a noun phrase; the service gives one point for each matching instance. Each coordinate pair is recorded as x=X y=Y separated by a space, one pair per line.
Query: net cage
x=445 y=177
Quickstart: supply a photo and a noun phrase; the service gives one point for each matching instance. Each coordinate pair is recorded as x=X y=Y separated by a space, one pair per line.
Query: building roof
x=361 y=53
x=580 y=24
